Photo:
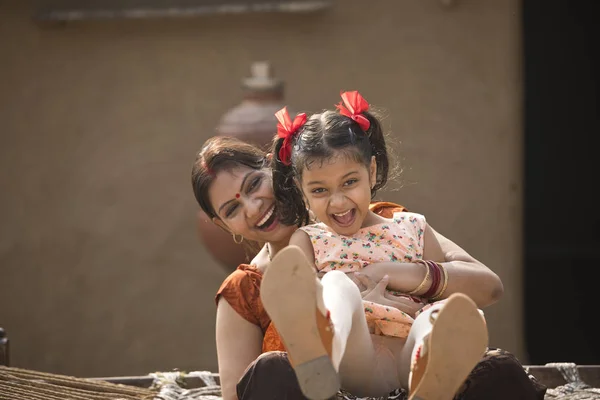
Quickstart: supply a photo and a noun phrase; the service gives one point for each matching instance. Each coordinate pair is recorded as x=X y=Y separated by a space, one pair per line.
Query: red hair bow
x=353 y=107
x=287 y=129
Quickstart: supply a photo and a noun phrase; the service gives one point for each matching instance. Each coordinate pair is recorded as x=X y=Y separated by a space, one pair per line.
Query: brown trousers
x=498 y=376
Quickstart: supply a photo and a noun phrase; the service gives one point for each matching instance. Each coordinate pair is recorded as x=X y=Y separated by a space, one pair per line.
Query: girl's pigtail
x=379 y=150
x=291 y=209
x=355 y=107
x=290 y=203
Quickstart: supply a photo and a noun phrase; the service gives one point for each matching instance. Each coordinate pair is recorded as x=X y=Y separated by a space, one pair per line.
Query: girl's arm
x=302 y=240
x=239 y=343
x=465 y=274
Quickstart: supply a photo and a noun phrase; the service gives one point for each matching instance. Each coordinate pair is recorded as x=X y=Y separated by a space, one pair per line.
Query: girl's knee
x=334 y=276
x=340 y=280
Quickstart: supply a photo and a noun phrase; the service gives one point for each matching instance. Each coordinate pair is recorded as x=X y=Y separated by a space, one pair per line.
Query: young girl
x=332 y=165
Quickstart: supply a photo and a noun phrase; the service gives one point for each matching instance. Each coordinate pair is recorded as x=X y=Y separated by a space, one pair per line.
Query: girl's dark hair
x=320 y=138
x=221 y=153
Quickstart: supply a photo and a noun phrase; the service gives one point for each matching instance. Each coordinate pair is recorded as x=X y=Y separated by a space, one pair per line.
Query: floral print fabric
x=399 y=239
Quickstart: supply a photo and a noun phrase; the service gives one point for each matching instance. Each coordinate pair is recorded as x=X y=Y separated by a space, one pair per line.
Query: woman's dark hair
x=222 y=153
x=320 y=138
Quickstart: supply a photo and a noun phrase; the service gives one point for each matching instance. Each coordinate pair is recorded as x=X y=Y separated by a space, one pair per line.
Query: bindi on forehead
x=225 y=183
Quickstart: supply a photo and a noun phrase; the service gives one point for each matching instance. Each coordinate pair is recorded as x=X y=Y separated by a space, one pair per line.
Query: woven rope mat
x=169 y=387
x=23 y=384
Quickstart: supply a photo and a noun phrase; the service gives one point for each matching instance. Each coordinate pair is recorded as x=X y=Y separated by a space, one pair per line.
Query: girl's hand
x=377 y=293
x=371 y=290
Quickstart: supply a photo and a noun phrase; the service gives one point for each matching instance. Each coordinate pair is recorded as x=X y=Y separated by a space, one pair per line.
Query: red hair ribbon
x=287 y=129
x=353 y=107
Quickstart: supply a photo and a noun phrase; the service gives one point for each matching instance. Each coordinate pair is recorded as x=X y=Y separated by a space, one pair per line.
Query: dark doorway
x=562 y=209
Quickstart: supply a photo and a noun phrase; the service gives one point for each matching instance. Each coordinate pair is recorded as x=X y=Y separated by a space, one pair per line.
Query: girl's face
x=243 y=199
x=338 y=192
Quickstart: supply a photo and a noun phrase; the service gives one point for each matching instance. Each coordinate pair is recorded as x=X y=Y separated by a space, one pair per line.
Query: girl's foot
x=456 y=343
x=289 y=292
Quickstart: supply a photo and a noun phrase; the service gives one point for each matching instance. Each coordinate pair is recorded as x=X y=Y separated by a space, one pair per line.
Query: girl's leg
x=297 y=303
x=444 y=345
x=289 y=294
x=366 y=365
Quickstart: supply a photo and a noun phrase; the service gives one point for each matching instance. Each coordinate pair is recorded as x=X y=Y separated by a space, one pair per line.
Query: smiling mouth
x=267 y=219
x=346 y=218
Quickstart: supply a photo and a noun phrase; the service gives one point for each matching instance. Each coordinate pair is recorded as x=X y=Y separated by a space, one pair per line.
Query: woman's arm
x=468 y=275
x=465 y=273
x=239 y=342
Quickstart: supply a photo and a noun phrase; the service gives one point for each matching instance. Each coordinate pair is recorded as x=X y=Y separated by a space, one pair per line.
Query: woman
x=232 y=184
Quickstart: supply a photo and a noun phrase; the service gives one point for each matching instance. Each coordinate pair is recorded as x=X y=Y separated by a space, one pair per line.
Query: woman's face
x=243 y=199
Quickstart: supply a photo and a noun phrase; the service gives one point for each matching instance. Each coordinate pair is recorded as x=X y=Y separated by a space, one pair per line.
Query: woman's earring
x=237 y=241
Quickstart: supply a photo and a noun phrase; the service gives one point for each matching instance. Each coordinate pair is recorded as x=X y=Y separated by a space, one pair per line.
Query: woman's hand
x=377 y=293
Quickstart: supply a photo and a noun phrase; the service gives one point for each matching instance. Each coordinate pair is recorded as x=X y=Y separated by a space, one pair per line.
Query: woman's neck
x=266 y=254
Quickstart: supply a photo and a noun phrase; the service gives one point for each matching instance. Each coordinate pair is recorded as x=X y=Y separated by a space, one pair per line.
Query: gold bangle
x=444 y=286
x=418 y=289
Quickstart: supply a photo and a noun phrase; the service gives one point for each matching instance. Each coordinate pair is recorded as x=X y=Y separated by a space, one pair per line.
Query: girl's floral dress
x=400 y=239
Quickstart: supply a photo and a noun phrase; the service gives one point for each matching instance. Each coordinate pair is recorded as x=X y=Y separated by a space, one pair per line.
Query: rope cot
x=23 y=384
x=170 y=388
